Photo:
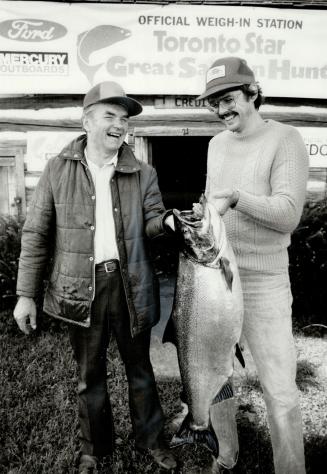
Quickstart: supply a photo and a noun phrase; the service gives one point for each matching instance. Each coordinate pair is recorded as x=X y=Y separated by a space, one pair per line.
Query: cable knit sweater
x=269 y=168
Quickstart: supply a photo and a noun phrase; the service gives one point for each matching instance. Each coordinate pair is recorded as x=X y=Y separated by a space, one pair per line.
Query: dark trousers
x=110 y=316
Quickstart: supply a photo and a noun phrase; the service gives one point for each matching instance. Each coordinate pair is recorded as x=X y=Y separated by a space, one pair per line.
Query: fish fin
x=227 y=271
x=208 y=439
x=224 y=393
x=184 y=435
x=83 y=63
x=183 y=396
x=89 y=71
x=185 y=438
x=169 y=334
x=239 y=355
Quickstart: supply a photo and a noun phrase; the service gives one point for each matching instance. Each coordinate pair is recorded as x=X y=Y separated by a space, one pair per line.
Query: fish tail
x=184 y=435
x=188 y=435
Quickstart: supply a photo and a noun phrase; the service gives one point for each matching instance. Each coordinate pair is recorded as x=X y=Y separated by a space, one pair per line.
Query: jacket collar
x=127 y=163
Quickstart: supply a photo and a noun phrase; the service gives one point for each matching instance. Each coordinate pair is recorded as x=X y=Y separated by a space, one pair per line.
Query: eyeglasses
x=226 y=103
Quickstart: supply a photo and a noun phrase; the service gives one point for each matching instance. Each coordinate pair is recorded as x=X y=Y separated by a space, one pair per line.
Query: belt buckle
x=110 y=266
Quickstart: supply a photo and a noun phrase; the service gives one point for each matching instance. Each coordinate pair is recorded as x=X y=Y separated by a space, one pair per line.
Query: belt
x=108 y=266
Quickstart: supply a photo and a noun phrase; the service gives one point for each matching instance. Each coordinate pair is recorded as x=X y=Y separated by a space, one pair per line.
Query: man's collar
x=109 y=161
x=127 y=162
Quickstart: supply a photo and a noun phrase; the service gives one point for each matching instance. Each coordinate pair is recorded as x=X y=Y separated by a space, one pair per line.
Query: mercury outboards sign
x=31 y=30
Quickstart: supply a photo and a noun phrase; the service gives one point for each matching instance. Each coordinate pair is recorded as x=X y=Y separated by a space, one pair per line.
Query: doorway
x=181 y=164
x=12 y=186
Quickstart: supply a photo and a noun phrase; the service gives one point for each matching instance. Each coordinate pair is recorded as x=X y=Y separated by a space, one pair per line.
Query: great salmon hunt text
x=119 y=66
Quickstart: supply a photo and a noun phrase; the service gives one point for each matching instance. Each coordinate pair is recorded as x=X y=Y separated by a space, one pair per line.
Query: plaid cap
x=112 y=93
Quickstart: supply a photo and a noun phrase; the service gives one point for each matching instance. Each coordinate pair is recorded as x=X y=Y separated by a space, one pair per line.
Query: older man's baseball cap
x=226 y=73
x=112 y=93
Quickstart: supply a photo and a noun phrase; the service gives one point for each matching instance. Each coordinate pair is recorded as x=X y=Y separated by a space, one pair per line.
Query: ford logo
x=31 y=30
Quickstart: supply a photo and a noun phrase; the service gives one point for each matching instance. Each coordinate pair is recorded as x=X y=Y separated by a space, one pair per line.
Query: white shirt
x=105 y=245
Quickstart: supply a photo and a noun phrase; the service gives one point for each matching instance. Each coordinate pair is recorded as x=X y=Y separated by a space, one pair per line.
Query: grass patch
x=39 y=412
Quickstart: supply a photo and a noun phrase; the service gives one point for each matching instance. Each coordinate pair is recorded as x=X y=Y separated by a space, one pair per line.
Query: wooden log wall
x=22 y=115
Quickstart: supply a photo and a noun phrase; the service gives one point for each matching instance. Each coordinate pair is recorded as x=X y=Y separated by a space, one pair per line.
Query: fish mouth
x=193 y=230
x=188 y=218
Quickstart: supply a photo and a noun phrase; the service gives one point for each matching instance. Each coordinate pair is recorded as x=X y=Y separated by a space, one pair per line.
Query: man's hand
x=225 y=199
x=25 y=314
x=169 y=221
x=197 y=209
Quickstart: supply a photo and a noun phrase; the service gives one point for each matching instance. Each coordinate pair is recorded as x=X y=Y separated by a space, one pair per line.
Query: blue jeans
x=110 y=316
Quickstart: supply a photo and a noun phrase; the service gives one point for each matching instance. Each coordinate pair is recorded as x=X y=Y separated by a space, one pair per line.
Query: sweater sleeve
x=281 y=210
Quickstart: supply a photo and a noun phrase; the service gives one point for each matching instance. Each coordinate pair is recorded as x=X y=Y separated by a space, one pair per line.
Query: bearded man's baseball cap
x=112 y=93
x=227 y=73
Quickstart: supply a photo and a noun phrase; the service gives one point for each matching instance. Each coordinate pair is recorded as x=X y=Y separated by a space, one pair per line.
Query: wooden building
x=46 y=67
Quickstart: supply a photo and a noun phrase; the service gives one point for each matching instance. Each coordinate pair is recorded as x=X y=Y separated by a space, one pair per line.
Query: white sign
x=41 y=146
x=315 y=140
x=158 y=49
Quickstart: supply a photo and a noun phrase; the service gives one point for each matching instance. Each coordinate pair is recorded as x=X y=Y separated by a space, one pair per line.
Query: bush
x=308 y=260
x=10 y=237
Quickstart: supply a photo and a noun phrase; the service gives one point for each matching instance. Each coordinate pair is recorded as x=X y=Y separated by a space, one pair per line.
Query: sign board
x=41 y=146
x=315 y=140
x=158 y=49
x=179 y=102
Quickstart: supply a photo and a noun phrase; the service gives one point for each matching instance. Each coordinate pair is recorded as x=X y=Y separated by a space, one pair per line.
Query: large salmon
x=207 y=315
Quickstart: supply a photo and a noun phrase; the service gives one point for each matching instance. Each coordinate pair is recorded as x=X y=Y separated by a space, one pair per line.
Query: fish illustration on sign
x=93 y=40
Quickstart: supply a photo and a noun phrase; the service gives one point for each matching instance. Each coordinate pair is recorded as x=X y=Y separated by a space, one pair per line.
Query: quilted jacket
x=60 y=228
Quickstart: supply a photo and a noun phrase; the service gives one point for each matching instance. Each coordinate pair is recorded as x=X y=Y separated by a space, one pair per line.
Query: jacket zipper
x=131 y=318
x=93 y=265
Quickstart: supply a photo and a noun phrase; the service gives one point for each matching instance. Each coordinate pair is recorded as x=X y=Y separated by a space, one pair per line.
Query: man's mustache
x=222 y=116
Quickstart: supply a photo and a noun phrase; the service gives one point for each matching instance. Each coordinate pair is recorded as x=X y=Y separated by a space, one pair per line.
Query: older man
x=97 y=206
x=256 y=175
